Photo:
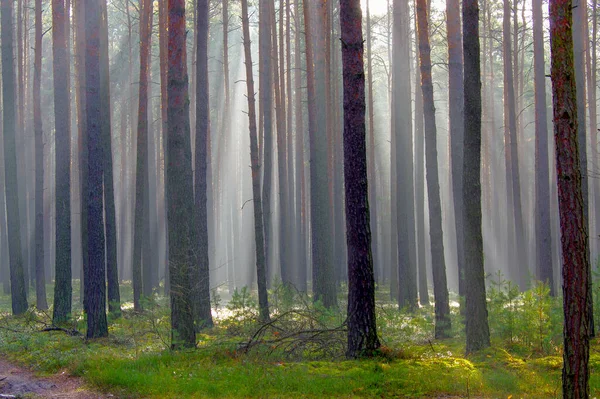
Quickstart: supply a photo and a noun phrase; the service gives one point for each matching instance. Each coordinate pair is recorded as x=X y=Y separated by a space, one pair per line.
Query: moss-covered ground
x=524 y=361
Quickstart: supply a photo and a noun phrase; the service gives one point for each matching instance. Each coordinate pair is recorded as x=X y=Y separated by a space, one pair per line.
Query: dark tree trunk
x=580 y=43
x=200 y=274
x=17 y=277
x=95 y=272
x=266 y=110
x=438 y=263
x=62 y=120
x=40 y=275
x=112 y=270
x=362 y=330
x=420 y=184
x=142 y=222
x=476 y=321
x=574 y=237
x=402 y=125
x=179 y=182
x=542 y=167
x=456 y=119
x=323 y=279
x=263 y=303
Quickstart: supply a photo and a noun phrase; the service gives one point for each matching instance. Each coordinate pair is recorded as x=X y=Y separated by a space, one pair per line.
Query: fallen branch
x=72 y=333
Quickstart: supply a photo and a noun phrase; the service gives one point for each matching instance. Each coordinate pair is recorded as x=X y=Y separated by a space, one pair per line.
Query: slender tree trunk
x=112 y=270
x=17 y=277
x=163 y=53
x=40 y=278
x=62 y=120
x=420 y=183
x=200 y=268
x=542 y=166
x=321 y=232
x=263 y=303
x=402 y=125
x=282 y=164
x=301 y=250
x=456 y=119
x=141 y=181
x=95 y=272
x=476 y=317
x=266 y=109
x=438 y=263
x=574 y=237
x=179 y=182
x=520 y=267
x=371 y=159
x=80 y=59
x=362 y=330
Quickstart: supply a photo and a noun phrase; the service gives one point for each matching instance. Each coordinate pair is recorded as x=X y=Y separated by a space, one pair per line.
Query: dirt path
x=21 y=383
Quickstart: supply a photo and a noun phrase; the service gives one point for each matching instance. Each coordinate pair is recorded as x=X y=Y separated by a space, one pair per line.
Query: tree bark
x=200 y=268
x=17 y=277
x=573 y=226
x=476 y=317
x=62 y=120
x=362 y=330
x=95 y=272
x=179 y=182
x=263 y=302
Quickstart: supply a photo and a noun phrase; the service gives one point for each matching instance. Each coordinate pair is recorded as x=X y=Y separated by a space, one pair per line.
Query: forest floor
x=300 y=354
x=19 y=382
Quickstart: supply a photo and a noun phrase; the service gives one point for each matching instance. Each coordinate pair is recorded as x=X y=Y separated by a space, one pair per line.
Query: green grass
x=134 y=362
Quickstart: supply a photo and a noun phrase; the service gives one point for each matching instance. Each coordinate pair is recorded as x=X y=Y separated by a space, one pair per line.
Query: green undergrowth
x=239 y=358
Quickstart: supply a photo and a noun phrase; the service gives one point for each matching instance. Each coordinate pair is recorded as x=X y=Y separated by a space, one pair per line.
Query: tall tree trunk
x=266 y=110
x=80 y=62
x=40 y=278
x=179 y=182
x=520 y=267
x=542 y=167
x=574 y=237
x=438 y=263
x=163 y=52
x=142 y=222
x=371 y=158
x=321 y=230
x=301 y=250
x=112 y=270
x=17 y=278
x=263 y=303
x=476 y=317
x=456 y=119
x=95 y=272
x=200 y=268
x=284 y=202
x=362 y=330
x=580 y=43
x=420 y=183
x=402 y=125
x=62 y=120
